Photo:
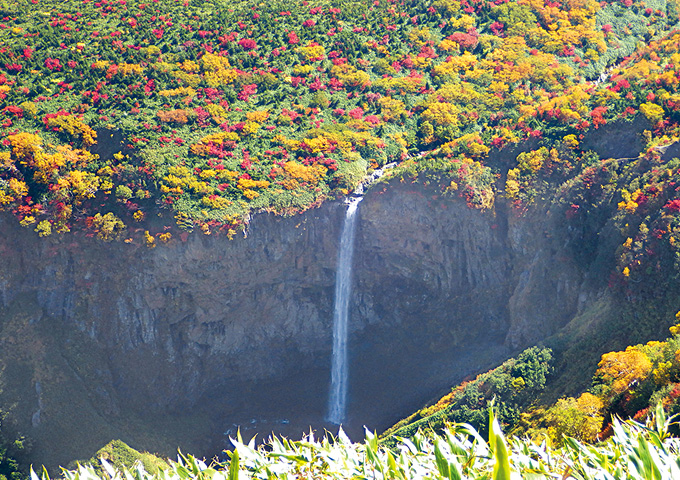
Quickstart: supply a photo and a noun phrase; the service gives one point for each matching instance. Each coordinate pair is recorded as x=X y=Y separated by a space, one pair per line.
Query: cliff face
x=160 y=346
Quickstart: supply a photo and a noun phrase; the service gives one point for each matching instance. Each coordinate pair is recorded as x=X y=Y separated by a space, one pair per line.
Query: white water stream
x=337 y=399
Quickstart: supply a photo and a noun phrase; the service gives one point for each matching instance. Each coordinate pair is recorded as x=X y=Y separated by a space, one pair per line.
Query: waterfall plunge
x=337 y=399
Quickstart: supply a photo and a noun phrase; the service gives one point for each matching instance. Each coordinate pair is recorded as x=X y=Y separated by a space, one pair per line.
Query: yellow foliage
x=18 y=187
x=4 y=198
x=191 y=79
x=624 y=369
x=250 y=194
x=258 y=116
x=217 y=112
x=470 y=143
x=27 y=220
x=420 y=36
x=532 y=161
x=317 y=144
x=24 y=144
x=311 y=51
x=459 y=93
x=189 y=66
x=310 y=174
x=628 y=204
x=570 y=141
x=46 y=166
x=219 y=138
x=511 y=183
x=401 y=84
x=451 y=7
x=217 y=70
x=464 y=23
x=83 y=184
x=108 y=226
x=78 y=157
x=675 y=329
x=663 y=372
x=179 y=91
x=440 y=113
x=455 y=65
x=350 y=76
x=589 y=404
x=126 y=69
x=29 y=108
x=642 y=68
x=202 y=147
x=5 y=159
x=421 y=62
x=73 y=126
x=652 y=111
x=216 y=202
x=44 y=228
x=226 y=174
x=101 y=65
x=250 y=128
x=247 y=183
x=580 y=418
x=448 y=45
x=149 y=240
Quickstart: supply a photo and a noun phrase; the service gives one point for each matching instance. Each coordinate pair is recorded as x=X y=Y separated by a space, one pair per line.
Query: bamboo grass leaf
x=442 y=464
x=234 y=465
x=501 y=468
x=108 y=468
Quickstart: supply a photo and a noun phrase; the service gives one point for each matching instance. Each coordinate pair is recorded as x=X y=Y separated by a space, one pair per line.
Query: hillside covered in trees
x=208 y=112
x=140 y=122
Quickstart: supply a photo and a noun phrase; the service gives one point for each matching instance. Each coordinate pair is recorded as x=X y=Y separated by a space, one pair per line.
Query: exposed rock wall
x=211 y=332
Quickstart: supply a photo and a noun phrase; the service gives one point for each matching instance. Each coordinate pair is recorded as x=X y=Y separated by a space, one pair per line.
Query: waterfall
x=337 y=399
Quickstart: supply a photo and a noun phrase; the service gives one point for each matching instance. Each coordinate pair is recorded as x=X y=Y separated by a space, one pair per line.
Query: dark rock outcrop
x=160 y=346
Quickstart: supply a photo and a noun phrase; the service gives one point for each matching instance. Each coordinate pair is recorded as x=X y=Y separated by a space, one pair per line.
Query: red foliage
x=247 y=44
x=673 y=205
x=497 y=28
x=466 y=41
x=356 y=113
x=14 y=110
x=247 y=91
x=597 y=116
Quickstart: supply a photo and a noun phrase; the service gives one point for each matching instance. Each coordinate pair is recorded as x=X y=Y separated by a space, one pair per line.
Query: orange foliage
x=178 y=116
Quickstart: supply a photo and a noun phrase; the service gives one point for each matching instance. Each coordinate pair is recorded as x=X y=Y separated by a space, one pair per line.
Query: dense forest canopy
x=114 y=111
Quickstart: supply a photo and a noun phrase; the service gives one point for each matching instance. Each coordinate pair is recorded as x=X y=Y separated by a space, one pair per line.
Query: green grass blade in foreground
x=234 y=465
x=499 y=449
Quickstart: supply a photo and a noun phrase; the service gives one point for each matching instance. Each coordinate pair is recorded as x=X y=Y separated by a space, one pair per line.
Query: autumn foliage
x=304 y=100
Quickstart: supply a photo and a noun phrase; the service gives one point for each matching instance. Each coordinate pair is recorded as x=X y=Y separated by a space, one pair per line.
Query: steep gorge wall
x=96 y=330
x=160 y=346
